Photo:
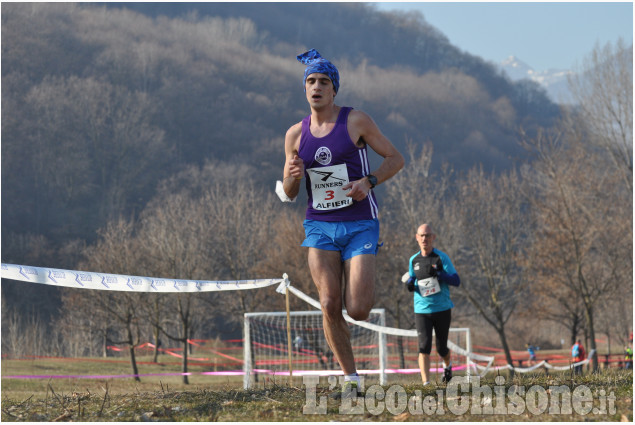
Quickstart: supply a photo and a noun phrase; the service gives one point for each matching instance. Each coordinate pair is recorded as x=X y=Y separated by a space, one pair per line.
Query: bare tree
x=185 y=309
x=155 y=310
x=550 y=299
x=172 y=237
x=241 y=241
x=603 y=89
x=581 y=225
x=615 y=318
x=13 y=338
x=84 y=323
x=581 y=195
x=207 y=230
x=120 y=313
x=489 y=229
x=115 y=252
x=414 y=194
x=123 y=307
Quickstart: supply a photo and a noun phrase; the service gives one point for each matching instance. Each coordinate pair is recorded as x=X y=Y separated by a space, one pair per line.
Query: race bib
x=326 y=187
x=429 y=286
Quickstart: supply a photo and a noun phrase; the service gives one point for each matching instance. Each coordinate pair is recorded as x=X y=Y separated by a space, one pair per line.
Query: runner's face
x=319 y=89
x=425 y=238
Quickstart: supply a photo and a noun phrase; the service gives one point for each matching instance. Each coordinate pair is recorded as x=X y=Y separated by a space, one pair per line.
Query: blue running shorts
x=351 y=238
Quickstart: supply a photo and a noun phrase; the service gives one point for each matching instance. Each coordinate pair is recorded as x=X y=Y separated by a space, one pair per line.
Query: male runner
x=430 y=272
x=328 y=149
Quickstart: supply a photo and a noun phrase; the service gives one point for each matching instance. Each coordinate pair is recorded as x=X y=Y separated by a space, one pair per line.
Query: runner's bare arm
x=293 y=166
x=362 y=128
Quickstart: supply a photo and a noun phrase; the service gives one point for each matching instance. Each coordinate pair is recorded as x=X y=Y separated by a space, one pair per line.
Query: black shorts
x=440 y=321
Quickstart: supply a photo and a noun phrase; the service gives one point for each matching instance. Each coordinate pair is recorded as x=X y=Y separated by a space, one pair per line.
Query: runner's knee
x=358 y=312
x=425 y=342
x=331 y=306
x=425 y=348
x=443 y=351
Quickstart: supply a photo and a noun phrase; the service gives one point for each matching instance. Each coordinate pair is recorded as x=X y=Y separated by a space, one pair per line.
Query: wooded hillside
x=102 y=103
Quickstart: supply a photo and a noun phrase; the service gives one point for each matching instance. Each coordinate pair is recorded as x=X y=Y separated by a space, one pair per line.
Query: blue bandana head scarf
x=316 y=63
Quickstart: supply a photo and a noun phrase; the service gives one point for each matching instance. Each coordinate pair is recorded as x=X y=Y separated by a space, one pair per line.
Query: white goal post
x=265 y=345
x=378 y=350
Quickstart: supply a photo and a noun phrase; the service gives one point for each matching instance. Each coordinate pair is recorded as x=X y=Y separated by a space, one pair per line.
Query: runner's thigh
x=326 y=271
x=360 y=285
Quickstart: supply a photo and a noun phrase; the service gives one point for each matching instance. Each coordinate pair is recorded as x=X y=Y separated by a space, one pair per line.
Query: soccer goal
x=265 y=345
x=378 y=350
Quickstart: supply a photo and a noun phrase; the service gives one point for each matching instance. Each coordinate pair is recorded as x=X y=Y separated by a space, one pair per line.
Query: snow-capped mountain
x=553 y=80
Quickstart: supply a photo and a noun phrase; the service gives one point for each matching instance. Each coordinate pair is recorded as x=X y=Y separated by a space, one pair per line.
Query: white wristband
x=281 y=194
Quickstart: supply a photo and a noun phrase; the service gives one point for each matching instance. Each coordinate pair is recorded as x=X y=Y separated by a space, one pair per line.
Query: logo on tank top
x=323 y=155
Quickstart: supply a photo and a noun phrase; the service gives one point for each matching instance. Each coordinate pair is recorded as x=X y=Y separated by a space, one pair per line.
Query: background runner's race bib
x=429 y=286
x=326 y=187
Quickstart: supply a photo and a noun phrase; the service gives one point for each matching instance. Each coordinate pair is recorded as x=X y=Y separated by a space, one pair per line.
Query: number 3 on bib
x=326 y=187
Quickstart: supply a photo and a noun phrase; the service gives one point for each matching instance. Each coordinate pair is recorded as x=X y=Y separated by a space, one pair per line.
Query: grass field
x=213 y=398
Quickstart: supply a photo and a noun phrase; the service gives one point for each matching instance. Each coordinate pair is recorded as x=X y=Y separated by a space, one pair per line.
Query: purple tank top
x=330 y=162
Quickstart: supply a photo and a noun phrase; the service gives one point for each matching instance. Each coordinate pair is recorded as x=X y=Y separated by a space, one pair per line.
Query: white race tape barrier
x=582 y=363
x=455 y=348
x=544 y=364
x=116 y=282
x=384 y=329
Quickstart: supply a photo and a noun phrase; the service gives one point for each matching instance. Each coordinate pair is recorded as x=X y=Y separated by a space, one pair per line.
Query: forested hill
x=358 y=35
x=100 y=103
x=355 y=32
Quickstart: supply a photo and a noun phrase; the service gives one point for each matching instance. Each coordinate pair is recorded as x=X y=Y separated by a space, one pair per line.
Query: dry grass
x=209 y=398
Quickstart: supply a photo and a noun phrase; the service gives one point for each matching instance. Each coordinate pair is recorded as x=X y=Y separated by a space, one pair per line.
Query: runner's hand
x=409 y=281
x=296 y=167
x=358 y=189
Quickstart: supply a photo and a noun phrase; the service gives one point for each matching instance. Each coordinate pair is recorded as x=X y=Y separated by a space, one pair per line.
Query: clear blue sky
x=544 y=35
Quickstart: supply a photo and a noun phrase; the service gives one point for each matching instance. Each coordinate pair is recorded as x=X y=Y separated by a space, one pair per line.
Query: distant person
x=628 y=357
x=430 y=275
x=532 y=353
x=297 y=342
x=329 y=150
x=578 y=354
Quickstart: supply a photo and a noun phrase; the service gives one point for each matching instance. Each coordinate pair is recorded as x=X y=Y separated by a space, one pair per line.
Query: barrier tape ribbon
x=544 y=364
x=223 y=373
x=116 y=282
x=413 y=333
x=385 y=329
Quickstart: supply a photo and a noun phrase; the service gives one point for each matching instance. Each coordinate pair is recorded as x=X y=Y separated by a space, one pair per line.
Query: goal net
x=378 y=350
x=266 y=352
